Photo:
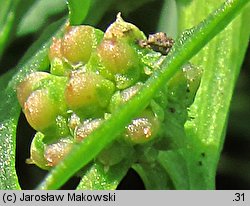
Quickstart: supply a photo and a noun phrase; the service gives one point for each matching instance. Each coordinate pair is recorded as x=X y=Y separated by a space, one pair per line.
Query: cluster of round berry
x=91 y=75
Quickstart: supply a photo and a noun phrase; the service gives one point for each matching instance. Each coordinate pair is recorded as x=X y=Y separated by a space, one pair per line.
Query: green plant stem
x=186 y=48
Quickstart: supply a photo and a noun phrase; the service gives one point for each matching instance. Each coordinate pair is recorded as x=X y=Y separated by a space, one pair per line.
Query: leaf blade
x=7 y=18
x=205 y=131
x=37 y=15
x=97 y=177
x=78 y=11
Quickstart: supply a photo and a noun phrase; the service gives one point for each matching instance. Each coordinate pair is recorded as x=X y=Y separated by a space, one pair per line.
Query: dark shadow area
x=14 y=52
x=143 y=17
x=230 y=182
x=29 y=175
x=131 y=181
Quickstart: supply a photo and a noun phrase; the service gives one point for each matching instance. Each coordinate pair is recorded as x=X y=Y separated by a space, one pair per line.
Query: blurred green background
x=35 y=16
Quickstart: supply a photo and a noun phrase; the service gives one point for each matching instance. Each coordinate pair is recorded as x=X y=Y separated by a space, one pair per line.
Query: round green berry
x=28 y=85
x=78 y=43
x=142 y=129
x=120 y=61
x=84 y=129
x=87 y=92
x=39 y=110
x=54 y=153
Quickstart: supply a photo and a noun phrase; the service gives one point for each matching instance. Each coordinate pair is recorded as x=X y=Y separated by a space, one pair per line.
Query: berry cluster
x=91 y=75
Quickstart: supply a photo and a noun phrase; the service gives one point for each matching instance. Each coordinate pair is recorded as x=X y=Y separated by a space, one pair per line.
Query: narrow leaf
x=78 y=10
x=153 y=176
x=97 y=177
x=175 y=165
x=7 y=17
x=220 y=61
x=38 y=14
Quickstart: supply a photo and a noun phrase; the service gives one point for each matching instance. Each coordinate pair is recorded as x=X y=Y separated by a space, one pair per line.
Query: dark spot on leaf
x=203 y=154
x=172 y=110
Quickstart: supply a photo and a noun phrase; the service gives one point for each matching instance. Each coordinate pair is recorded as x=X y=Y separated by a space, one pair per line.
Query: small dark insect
x=158 y=42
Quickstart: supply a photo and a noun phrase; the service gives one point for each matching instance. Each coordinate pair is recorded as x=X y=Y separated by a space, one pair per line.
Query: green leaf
x=175 y=165
x=10 y=109
x=7 y=17
x=220 y=61
x=11 y=13
x=4 y=79
x=183 y=1
x=185 y=48
x=78 y=10
x=97 y=177
x=37 y=15
x=168 y=19
x=153 y=176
